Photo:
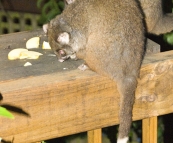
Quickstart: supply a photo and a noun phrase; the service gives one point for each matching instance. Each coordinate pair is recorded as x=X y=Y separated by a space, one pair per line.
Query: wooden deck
x=61 y=100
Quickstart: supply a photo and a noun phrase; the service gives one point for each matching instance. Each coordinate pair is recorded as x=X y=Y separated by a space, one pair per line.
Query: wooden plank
x=15 y=40
x=10 y=70
x=70 y=102
x=149 y=125
x=95 y=136
x=152 y=47
x=149 y=130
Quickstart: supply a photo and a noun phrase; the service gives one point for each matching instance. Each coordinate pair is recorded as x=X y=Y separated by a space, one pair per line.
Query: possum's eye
x=63 y=38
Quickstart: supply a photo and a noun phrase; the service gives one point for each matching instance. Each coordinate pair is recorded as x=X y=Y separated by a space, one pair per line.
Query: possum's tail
x=163 y=25
x=126 y=88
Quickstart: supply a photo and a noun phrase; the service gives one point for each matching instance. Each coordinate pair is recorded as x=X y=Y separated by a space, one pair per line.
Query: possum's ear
x=69 y=1
x=63 y=38
x=45 y=28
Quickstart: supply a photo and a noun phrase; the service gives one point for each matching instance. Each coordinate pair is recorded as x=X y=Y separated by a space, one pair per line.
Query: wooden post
x=149 y=130
x=95 y=136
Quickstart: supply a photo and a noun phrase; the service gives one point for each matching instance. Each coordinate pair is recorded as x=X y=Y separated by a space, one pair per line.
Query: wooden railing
x=70 y=101
x=149 y=132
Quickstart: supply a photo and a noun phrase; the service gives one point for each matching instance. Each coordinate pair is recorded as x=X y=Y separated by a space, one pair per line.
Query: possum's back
x=114 y=27
x=116 y=17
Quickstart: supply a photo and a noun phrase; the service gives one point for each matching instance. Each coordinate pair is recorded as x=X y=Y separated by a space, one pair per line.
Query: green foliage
x=49 y=9
x=160 y=130
x=168 y=38
x=5 y=113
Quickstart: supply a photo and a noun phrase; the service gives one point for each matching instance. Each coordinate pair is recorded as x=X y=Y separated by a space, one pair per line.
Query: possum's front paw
x=61 y=60
x=73 y=57
x=83 y=67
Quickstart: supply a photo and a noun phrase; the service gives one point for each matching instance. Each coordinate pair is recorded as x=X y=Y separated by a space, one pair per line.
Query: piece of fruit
x=33 y=43
x=15 y=53
x=27 y=64
x=23 y=54
x=46 y=45
x=29 y=55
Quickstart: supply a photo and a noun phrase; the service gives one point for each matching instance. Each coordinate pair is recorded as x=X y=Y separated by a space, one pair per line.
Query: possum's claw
x=61 y=60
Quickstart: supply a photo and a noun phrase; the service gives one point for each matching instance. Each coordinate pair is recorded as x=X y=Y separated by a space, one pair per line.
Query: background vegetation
x=49 y=9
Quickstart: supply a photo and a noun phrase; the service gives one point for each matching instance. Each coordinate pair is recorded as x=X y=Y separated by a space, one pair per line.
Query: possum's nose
x=62 y=53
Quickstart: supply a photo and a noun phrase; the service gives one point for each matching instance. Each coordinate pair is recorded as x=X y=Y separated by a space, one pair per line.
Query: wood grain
x=149 y=130
x=95 y=136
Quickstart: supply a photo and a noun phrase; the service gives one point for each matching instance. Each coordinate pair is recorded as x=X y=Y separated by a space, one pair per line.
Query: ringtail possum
x=109 y=35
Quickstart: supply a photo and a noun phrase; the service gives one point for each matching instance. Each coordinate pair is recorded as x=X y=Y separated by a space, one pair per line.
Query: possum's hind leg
x=126 y=87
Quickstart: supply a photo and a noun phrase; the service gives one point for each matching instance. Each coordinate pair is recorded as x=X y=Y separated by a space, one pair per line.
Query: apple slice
x=33 y=43
x=21 y=53
x=46 y=45
x=29 y=55
x=15 y=53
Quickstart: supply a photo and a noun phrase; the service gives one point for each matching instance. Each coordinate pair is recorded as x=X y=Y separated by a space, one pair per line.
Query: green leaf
x=49 y=9
x=61 y=5
x=52 y=14
x=5 y=113
x=39 y=3
x=46 y=7
x=168 y=38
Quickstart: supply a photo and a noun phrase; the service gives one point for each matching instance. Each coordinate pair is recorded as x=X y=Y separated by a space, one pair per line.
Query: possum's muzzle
x=62 y=55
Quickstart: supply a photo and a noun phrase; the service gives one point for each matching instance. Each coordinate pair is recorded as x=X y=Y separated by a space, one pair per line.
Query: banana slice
x=15 y=53
x=46 y=45
x=33 y=43
x=29 y=55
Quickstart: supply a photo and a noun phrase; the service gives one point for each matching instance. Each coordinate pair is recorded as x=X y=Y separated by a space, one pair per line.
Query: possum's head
x=59 y=38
